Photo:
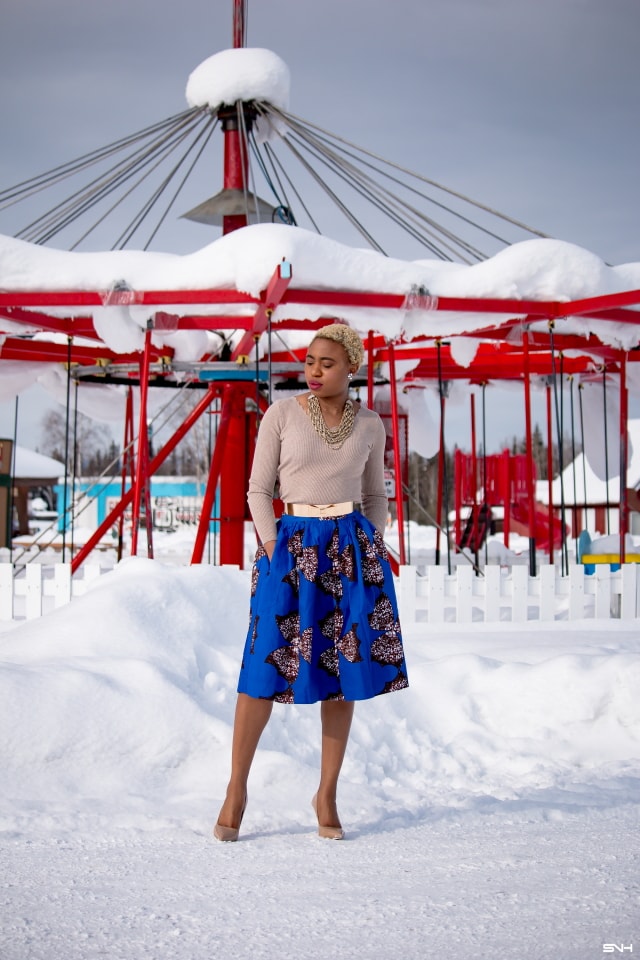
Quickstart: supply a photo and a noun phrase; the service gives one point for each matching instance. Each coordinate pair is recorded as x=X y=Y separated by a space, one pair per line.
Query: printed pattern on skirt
x=324 y=617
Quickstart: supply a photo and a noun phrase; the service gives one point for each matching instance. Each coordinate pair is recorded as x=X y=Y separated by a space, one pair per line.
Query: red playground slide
x=520 y=516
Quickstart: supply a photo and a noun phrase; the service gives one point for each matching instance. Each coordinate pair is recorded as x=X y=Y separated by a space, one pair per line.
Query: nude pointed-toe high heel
x=327 y=833
x=229 y=834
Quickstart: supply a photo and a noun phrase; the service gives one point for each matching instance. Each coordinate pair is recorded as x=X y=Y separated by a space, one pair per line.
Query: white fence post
x=602 y=578
x=407 y=591
x=628 y=609
x=492 y=585
x=464 y=594
x=576 y=592
x=436 y=595
x=33 y=591
x=6 y=591
x=547 y=591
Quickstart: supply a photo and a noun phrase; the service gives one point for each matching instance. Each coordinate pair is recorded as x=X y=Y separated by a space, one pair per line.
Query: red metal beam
x=606 y=307
x=35 y=320
x=272 y=297
x=93 y=298
x=157 y=461
x=397 y=462
x=15 y=348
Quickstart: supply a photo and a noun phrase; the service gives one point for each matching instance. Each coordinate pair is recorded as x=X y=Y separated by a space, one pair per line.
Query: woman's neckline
x=301 y=401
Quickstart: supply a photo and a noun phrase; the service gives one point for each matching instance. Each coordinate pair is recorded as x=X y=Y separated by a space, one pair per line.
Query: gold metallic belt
x=319 y=510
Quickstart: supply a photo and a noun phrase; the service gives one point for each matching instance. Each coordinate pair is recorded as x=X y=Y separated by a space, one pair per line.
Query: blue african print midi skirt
x=324 y=617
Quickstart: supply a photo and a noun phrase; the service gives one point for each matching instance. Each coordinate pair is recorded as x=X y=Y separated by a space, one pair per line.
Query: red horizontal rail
x=542 y=308
x=92 y=298
x=534 y=308
x=16 y=348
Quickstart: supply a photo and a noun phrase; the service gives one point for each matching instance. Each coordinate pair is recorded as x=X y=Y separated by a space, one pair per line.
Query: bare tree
x=84 y=439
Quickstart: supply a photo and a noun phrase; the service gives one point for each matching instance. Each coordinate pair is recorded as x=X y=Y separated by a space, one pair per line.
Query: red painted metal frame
x=156 y=462
x=624 y=458
x=605 y=307
x=215 y=470
x=142 y=497
x=502 y=361
x=128 y=464
x=550 y=469
x=531 y=491
x=397 y=463
x=273 y=295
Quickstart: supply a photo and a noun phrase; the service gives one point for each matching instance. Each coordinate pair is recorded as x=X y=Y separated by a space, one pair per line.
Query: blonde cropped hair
x=341 y=333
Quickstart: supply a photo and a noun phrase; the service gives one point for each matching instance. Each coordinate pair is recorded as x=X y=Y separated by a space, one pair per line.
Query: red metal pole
x=239 y=23
x=236 y=153
x=397 y=463
x=505 y=482
x=236 y=159
x=370 y=370
x=440 y=497
x=475 y=527
x=624 y=455
x=159 y=459
x=459 y=472
x=531 y=489
x=128 y=463
x=550 y=471
x=229 y=408
x=141 y=485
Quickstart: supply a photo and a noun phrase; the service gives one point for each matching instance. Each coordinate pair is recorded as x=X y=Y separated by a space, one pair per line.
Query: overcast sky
x=530 y=106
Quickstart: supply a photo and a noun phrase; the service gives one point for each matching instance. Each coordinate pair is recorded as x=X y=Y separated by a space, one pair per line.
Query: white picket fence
x=30 y=591
x=502 y=594
x=512 y=594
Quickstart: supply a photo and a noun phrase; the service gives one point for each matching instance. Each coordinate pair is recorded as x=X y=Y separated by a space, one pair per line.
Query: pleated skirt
x=323 y=615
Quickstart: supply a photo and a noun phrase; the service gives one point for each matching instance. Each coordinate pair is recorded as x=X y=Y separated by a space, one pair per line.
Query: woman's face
x=326 y=368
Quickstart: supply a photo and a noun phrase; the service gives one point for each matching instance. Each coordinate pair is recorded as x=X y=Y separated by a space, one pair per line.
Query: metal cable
x=76 y=204
x=369 y=188
x=127 y=193
x=369 y=184
x=423 y=196
x=345 y=210
x=287 y=117
x=274 y=159
x=124 y=237
x=183 y=181
x=27 y=188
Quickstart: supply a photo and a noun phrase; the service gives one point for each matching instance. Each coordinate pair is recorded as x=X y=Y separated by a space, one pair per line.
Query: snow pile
x=243 y=73
x=491 y=808
x=135 y=687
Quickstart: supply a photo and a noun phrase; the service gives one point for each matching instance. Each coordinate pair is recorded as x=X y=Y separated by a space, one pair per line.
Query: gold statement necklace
x=333 y=438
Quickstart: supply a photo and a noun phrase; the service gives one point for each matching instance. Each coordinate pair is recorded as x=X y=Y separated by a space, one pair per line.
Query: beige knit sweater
x=290 y=452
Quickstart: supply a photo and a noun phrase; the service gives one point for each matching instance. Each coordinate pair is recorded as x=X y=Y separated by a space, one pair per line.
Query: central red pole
x=239 y=23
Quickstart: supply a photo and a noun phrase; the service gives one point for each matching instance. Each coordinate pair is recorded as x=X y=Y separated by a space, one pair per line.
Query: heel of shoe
x=327 y=833
x=229 y=834
x=226 y=834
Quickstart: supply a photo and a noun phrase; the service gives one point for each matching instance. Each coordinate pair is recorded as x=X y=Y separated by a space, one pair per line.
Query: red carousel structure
x=520 y=340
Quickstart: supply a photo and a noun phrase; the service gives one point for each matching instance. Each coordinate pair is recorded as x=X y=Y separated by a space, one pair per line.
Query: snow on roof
x=35 y=466
x=598 y=490
x=245 y=260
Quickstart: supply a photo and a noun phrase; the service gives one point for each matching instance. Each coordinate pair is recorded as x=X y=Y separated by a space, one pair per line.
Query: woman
x=324 y=620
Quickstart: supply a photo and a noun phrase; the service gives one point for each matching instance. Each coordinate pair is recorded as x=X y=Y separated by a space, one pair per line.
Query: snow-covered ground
x=491 y=809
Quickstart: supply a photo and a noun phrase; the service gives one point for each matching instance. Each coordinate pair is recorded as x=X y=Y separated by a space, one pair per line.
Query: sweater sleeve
x=264 y=474
x=375 y=504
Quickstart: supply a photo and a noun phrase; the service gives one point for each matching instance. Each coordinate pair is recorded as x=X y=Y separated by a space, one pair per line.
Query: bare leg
x=251 y=717
x=336 y=716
